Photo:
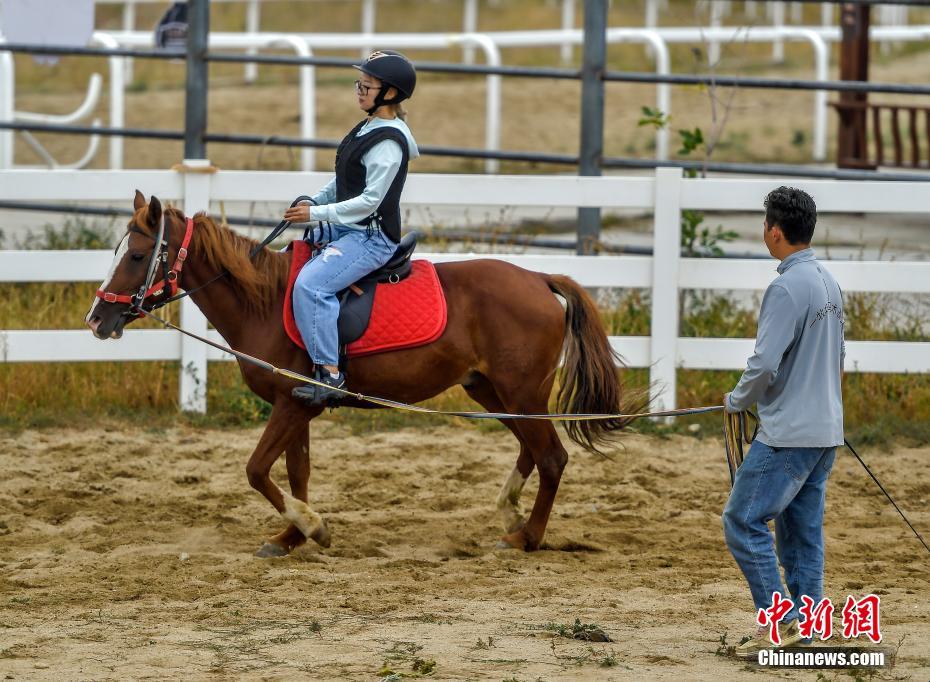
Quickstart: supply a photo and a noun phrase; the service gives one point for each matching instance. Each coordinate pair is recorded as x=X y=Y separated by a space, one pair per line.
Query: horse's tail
x=589 y=381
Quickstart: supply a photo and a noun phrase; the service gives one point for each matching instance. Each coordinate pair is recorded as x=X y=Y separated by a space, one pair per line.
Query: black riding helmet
x=391 y=68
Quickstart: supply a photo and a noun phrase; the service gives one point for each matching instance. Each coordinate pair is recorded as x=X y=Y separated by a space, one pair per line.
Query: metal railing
x=657 y=40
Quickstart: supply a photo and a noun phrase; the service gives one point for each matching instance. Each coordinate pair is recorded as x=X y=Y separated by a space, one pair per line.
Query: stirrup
x=327 y=395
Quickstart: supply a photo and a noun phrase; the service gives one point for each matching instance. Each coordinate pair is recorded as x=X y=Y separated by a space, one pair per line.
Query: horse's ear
x=154 y=211
x=139 y=201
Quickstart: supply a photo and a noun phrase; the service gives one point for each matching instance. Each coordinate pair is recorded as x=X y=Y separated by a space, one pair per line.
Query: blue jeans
x=350 y=255
x=788 y=485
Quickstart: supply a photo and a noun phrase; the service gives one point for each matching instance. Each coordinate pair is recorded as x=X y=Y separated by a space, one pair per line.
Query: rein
x=280 y=227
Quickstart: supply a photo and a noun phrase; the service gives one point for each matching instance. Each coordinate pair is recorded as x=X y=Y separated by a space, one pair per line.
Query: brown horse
x=505 y=334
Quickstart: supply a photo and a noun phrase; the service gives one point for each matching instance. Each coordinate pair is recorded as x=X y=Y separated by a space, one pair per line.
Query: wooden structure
x=852 y=150
x=910 y=139
x=857 y=113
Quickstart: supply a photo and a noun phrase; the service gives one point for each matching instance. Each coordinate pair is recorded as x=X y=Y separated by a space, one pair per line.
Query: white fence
x=666 y=274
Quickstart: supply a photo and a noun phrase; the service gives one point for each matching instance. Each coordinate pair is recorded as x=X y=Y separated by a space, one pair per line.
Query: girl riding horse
x=362 y=206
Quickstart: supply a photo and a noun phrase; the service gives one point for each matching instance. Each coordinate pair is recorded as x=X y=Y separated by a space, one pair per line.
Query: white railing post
x=307 y=109
x=652 y=14
x=252 y=24
x=665 y=262
x=778 y=19
x=129 y=24
x=568 y=23
x=492 y=108
x=368 y=25
x=822 y=73
x=193 y=381
x=663 y=90
x=716 y=20
x=7 y=90
x=307 y=98
x=117 y=95
x=469 y=25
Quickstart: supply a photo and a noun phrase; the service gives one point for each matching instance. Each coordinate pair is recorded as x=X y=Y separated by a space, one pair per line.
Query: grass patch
x=603 y=659
x=725 y=649
x=403 y=655
x=586 y=632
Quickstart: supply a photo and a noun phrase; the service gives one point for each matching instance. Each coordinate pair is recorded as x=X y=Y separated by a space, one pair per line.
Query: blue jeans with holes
x=787 y=485
x=350 y=255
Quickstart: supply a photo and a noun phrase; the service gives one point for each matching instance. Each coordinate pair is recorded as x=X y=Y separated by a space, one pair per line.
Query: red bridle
x=170 y=281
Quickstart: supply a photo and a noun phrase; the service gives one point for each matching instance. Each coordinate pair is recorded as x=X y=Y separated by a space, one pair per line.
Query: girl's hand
x=298 y=214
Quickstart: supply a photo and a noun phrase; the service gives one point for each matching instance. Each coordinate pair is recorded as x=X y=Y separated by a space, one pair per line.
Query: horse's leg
x=508 y=500
x=287 y=424
x=541 y=441
x=550 y=458
x=297 y=455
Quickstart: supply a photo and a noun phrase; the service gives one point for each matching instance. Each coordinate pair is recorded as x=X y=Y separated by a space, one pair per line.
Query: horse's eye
x=138 y=256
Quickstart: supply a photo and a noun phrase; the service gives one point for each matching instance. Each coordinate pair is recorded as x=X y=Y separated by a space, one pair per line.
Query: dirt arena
x=127 y=554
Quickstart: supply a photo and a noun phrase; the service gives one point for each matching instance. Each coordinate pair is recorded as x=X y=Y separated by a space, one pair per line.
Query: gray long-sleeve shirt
x=795 y=372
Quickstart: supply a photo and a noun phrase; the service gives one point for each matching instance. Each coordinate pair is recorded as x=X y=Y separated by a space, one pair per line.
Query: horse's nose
x=94 y=323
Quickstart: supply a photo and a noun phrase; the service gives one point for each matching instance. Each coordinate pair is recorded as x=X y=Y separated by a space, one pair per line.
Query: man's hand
x=298 y=214
x=726 y=404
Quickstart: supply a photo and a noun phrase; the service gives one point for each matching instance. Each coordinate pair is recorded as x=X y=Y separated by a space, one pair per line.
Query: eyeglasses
x=363 y=89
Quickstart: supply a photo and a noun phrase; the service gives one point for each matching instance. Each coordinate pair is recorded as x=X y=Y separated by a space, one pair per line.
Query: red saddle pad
x=404 y=315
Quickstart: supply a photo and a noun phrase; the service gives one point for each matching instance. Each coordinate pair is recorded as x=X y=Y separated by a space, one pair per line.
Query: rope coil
x=735 y=434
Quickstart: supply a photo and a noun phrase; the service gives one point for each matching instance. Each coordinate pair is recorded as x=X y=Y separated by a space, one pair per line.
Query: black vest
x=350 y=176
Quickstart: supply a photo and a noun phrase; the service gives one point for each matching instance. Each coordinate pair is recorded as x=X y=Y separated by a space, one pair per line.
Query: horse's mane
x=258 y=281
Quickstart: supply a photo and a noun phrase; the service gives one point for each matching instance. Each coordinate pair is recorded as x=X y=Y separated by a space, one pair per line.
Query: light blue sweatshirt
x=381 y=165
x=795 y=372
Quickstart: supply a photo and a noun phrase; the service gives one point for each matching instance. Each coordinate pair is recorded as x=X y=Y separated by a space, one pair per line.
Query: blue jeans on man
x=789 y=486
x=349 y=256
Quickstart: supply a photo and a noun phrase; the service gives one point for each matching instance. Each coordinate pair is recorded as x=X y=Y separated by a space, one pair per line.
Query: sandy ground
x=127 y=553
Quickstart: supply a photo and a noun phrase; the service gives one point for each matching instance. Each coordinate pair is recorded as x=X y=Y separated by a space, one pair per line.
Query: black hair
x=794 y=211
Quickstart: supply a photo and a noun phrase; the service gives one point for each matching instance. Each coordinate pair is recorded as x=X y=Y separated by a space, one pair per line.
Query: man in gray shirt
x=794 y=376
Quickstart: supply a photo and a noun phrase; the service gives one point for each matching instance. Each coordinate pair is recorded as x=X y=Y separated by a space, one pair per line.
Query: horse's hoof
x=321 y=535
x=271 y=550
x=518 y=540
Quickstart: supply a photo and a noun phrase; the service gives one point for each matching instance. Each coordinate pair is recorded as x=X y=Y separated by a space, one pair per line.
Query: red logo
x=861 y=618
x=773 y=615
x=816 y=619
